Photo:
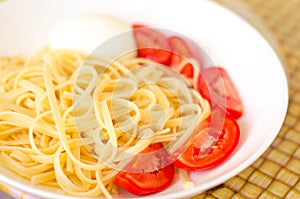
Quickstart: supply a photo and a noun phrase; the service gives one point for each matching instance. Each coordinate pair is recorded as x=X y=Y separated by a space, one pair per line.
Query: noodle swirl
x=71 y=123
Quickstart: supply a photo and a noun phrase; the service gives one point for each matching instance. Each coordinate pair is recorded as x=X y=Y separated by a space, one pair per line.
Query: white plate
x=228 y=40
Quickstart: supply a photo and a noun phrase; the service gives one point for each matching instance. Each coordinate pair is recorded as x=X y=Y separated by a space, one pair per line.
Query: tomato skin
x=151 y=44
x=215 y=85
x=142 y=183
x=183 y=49
x=226 y=133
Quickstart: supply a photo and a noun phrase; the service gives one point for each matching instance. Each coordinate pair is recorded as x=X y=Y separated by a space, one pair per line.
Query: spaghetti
x=70 y=122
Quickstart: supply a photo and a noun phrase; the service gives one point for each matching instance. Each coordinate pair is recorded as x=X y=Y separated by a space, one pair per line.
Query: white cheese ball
x=88 y=32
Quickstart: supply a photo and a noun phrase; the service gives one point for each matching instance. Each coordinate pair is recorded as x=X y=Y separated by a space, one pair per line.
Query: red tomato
x=148 y=173
x=215 y=85
x=152 y=44
x=183 y=49
x=188 y=71
x=213 y=141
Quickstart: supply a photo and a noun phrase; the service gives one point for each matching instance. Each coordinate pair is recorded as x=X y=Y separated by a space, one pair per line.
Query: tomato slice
x=147 y=173
x=188 y=71
x=213 y=141
x=151 y=44
x=215 y=85
x=184 y=49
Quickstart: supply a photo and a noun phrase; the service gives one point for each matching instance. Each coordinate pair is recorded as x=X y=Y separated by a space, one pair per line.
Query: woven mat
x=276 y=174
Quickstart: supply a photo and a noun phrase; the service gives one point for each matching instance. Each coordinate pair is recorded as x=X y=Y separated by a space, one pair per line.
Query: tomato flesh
x=213 y=141
x=139 y=179
x=151 y=44
x=182 y=49
x=188 y=71
x=215 y=85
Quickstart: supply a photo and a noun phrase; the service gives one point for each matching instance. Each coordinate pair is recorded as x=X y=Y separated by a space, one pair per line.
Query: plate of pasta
x=132 y=99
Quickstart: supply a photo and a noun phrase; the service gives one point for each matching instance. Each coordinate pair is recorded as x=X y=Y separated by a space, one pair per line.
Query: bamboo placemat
x=276 y=174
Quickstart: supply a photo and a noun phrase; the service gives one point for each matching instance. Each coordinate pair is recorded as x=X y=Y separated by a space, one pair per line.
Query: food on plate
x=140 y=182
x=85 y=33
x=182 y=49
x=221 y=90
x=86 y=125
x=211 y=145
x=152 y=44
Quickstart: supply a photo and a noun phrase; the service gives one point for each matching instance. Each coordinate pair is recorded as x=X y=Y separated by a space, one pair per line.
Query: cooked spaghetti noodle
x=71 y=123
